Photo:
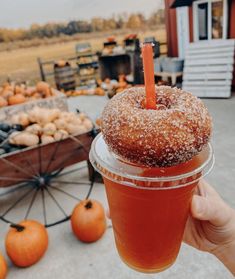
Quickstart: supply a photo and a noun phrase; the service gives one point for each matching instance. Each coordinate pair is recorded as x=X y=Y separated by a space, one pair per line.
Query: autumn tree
x=134 y=21
x=49 y=30
x=97 y=24
x=110 y=24
x=157 y=18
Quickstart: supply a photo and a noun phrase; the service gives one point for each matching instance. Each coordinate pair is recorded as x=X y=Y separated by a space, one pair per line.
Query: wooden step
x=208 y=68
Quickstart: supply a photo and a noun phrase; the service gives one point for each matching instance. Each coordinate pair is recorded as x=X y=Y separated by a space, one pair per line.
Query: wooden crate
x=22 y=165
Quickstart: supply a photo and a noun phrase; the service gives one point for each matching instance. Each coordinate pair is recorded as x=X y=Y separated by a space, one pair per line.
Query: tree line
x=97 y=24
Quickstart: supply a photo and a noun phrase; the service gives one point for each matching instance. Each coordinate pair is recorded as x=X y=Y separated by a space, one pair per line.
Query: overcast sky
x=22 y=13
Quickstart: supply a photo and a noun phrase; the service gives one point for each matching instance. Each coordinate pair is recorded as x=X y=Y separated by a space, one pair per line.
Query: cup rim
x=99 y=164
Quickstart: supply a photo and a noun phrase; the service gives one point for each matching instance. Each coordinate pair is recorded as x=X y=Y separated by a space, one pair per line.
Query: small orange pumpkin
x=7 y=86
x=26 y=243
x=36 y=96
x=61 y=63
x=47 y=93
x=16 y=99
x=3 y=102
x=3 y=267
x=19 y=90
x=88 y=221
x=6 y=94
x=99 y=91
x=42 y=86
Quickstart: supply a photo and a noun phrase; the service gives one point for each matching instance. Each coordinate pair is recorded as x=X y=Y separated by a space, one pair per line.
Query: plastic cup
x=149 y=207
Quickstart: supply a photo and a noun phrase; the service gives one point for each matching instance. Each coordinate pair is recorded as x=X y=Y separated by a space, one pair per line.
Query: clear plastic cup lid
x=114 y=168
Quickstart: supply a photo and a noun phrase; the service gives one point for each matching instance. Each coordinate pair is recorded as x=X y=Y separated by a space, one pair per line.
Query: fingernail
x=198 y=206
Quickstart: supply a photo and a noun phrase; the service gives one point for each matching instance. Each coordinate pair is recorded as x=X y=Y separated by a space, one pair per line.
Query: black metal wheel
x=46 y=196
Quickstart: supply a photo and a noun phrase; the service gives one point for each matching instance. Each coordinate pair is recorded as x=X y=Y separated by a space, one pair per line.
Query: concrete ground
x=68 y=258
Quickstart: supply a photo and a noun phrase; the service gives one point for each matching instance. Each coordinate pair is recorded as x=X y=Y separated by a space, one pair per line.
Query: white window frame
x=209 y=26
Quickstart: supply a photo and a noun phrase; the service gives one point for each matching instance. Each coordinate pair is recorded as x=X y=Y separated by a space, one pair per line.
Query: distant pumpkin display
x=26 y=243
x=14 y=94
x=88 y=221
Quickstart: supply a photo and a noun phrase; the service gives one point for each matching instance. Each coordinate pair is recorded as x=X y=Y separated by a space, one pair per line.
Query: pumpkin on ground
x=26 y=243
x=3 y=267
x=88 y=221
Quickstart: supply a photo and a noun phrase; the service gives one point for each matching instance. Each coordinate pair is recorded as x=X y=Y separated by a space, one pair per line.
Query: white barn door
x=182 y=30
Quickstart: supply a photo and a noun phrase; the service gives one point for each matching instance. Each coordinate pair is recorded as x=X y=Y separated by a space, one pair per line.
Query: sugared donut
x=175 y=132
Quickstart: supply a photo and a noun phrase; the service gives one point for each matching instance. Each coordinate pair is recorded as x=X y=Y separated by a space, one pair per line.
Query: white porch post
x=182 y=29
x=225 y=20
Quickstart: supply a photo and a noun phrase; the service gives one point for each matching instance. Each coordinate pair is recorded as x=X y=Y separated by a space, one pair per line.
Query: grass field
x=21 y=64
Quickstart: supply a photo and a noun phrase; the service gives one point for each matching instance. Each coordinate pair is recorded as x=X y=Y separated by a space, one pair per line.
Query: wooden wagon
x=36 y=174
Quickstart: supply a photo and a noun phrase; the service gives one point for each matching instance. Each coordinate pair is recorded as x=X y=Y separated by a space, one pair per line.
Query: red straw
x=147 y=54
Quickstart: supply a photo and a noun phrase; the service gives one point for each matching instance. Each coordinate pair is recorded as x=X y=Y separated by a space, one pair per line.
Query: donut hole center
x=160 y=105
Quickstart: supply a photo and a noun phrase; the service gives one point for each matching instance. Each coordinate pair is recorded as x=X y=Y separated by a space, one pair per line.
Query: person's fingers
x=211 y=209
x=204 y=189
x=108 y=213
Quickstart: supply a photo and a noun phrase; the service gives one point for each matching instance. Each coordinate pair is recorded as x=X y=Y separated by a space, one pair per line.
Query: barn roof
x=181 y=3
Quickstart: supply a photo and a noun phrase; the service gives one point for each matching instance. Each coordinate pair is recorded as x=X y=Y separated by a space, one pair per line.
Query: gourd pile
x=43 y=125
x=13 y=94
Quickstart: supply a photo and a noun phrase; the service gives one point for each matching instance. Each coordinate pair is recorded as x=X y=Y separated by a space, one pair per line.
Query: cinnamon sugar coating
x=172 y=134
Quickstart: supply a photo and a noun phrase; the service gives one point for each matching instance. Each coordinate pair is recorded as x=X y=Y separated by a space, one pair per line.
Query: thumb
x=210 y=209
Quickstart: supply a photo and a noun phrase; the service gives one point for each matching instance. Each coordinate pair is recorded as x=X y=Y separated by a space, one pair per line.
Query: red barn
x=206 y=27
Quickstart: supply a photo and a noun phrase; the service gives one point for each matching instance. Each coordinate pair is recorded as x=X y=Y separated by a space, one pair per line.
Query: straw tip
x=147 y=44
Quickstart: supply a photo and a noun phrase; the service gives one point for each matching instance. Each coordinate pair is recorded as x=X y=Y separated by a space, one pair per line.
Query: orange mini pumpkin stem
x=88 y=205
x=19 y=228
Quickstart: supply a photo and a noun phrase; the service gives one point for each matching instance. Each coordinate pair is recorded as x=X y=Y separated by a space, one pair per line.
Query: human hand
x=211 y=226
